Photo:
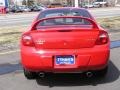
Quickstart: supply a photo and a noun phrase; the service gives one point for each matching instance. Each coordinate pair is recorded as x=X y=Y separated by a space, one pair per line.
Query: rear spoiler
x=95 y=26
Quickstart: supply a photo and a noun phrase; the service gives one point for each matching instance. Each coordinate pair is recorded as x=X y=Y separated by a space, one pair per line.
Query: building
x=4 y=3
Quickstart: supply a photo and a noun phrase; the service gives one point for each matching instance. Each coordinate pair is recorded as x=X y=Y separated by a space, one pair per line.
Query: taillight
x=103 y=38
x=27 y=40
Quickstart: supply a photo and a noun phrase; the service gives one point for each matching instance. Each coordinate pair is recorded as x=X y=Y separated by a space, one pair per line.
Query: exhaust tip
x=89 y=74
x=41 y=74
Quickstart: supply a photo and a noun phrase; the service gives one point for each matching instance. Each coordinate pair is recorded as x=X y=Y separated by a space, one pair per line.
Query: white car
x=89 y=6
x=25 y=9
x=100 y=4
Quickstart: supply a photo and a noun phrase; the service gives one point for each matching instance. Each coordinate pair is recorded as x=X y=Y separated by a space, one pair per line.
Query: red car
x=65 y=40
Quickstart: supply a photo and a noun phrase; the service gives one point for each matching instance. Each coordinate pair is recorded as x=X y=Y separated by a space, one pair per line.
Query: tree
x=30 y=2
x=27 y=2
x=24 y=2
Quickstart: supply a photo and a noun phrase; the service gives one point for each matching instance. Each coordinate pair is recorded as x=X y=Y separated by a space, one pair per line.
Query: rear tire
x=29 y=75
x=102 y=73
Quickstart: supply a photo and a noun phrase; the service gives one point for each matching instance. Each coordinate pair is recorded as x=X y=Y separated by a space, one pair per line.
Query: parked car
x=101 y=3
x=15 y=9
x=37 y=8
x=94 y=5
x=65 y=40
x=25 y=8
x=41 y=7
x=89 y=6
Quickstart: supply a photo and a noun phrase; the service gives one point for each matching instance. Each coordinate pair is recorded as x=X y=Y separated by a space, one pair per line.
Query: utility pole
x=103 y=3
x=76 y=3
x=27 y=3
x=88 y=3
x=116 y=2
x=15 y=2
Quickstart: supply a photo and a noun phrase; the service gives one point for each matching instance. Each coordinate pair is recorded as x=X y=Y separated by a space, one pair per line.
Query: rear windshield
x=64 y=21
x=64 y=12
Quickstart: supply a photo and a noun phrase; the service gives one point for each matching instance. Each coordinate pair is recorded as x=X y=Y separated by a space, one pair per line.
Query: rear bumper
x=85 y=59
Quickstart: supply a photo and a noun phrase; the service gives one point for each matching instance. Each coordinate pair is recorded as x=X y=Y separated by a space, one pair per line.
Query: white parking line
x=112 y=34
x=9 y=52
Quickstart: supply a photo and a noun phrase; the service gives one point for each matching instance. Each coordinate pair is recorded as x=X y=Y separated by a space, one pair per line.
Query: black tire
x=101 y=73
x=29 y=75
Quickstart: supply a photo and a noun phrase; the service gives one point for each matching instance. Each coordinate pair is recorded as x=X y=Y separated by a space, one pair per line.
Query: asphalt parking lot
x=12 y=78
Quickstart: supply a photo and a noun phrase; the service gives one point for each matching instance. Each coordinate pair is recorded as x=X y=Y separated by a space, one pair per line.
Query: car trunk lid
x=65 y=38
